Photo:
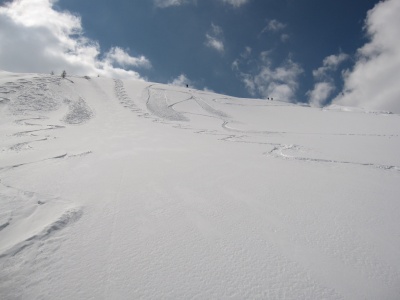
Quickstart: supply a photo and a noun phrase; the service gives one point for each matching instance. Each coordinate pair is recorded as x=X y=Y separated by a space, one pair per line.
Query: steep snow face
x=127 y=189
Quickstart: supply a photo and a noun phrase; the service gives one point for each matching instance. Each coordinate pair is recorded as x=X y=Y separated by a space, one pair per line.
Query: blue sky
x=293 y=50
x=174 y=38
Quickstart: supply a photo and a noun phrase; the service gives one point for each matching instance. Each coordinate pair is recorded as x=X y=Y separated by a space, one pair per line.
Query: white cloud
x=321 y=92
x=214 y=43
x=36 y=38
x=373 y=82
x=244 y=56
x=280 y=83
x=274 y=26
x=208 y=90
x=265 y=57
x=120 y=57
x=330 y=63
x=246 y=53
x=214 y=39
x=235 y=65
x=171 y=3
x=182 y=81
x=285 y=37
x=325 y=86
x=266 y=80
x=236 y=3
x=168 y=3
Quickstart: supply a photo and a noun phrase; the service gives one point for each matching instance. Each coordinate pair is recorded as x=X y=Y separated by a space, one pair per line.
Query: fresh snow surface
x=115 y=189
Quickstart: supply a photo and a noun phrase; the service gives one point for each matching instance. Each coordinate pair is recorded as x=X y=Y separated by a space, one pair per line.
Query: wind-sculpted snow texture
x=114 y=189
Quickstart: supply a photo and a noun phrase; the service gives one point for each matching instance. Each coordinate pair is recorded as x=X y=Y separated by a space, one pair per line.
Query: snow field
x=128 y=189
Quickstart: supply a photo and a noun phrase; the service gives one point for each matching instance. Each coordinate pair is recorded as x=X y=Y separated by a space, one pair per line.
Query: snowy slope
x=126 y=189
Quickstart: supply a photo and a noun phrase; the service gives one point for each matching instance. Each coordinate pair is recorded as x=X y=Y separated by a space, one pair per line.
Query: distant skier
x=187 y=85
x=63 y=74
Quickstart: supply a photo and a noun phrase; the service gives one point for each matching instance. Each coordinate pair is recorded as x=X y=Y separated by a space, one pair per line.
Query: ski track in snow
x=37 y=96
x=31 y=99
x=25 y=145
x=157 y=104
x=279 y=152
x=123 y=97
x=32 y=223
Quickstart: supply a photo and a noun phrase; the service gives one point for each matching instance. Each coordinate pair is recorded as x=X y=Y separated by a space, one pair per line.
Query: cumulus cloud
x=118 y=56
x=324 y=83
x=320 y=93
x=37 y=38
x=214 y=39
x=373 y=81
x=235 y=3
x=181 y=80
x=279 y=82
